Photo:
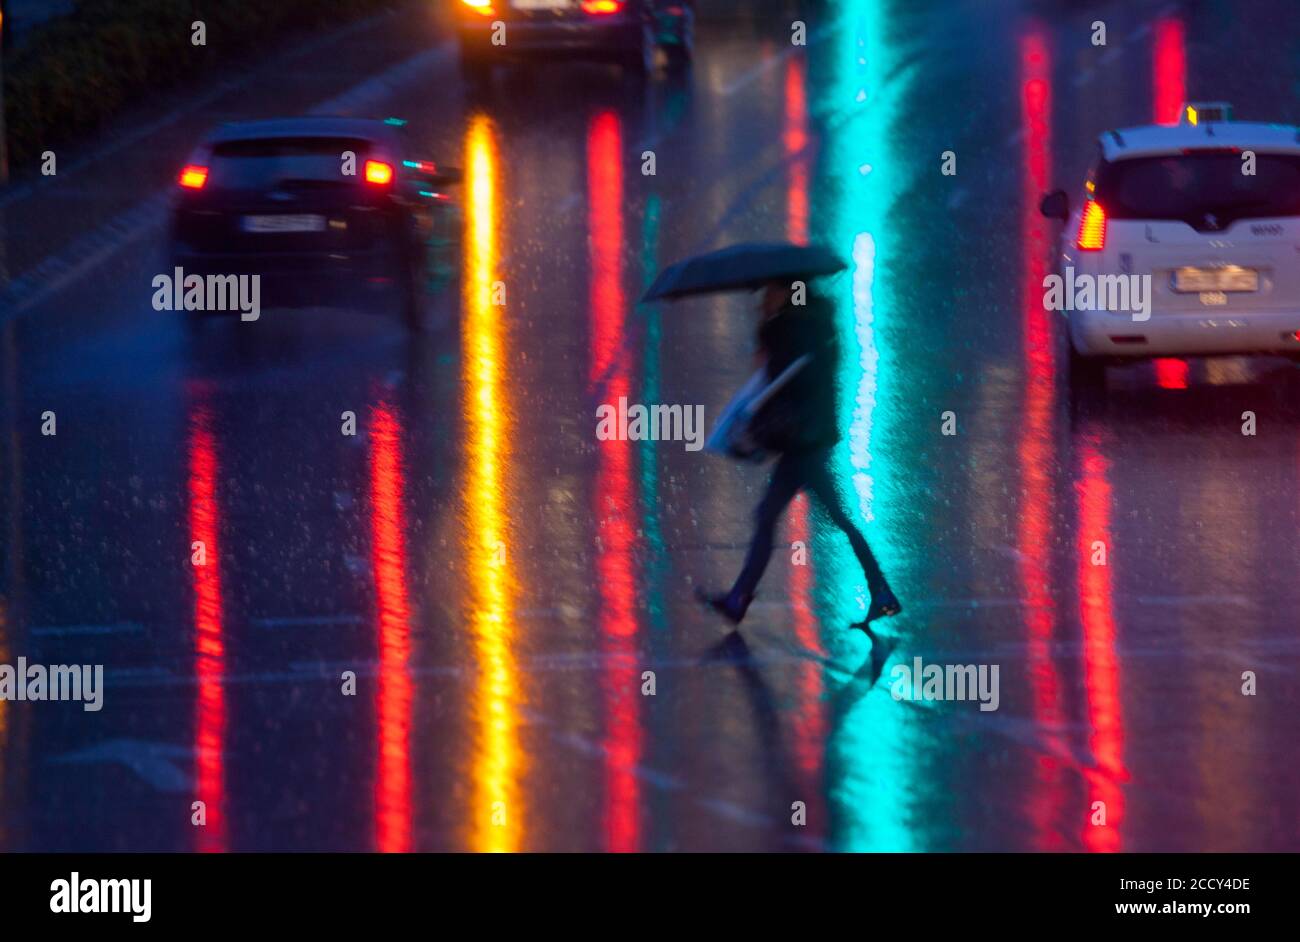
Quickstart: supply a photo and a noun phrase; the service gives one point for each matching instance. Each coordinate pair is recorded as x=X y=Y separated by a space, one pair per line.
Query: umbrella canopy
x=746 y=265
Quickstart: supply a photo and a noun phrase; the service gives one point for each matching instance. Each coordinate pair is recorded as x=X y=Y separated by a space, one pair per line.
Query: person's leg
x=787 y=478
x=821 y=482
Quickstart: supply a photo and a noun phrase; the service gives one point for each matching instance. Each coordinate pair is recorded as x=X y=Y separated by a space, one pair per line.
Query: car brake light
x=193 y=177
x=601 y=6
x=379 y=173
x=480 y=6
x=1092 y=227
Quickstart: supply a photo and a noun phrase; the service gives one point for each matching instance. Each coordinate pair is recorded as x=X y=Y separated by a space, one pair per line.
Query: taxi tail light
x=601 y=7
x=1092 y=228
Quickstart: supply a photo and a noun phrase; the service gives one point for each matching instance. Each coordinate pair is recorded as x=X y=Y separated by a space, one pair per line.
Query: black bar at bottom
x=487 y=893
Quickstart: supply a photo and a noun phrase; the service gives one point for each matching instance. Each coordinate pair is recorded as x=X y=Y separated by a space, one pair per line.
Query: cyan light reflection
x=870 y=766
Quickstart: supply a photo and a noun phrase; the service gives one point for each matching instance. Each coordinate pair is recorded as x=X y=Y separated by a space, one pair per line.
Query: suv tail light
x=379 y=173
x=193 y=177
x=1092 y=228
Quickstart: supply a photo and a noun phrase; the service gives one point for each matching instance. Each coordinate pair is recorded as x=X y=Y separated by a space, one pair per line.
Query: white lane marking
x=361 y=97
x=663 y=781
x=590 y=747
x=307 y=621
x=1014 y=602
x=568 y=203
x=994 y=602
x=733 y=812
x=56 y=272
x=1006 y=550
x=558 y=611
x=155 y=762
x=297 y=672
x=152 y=672
x=1176 y=600
x=59 y=631
x=752 y=74
x=300 y=671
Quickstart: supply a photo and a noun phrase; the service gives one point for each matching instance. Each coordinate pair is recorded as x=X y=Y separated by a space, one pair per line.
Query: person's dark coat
x=803 y=415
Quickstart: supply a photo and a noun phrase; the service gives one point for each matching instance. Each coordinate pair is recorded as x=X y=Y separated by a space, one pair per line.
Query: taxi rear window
x=1190 y=186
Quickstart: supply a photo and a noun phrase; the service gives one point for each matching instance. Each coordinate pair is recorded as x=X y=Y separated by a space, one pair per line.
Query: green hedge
x=73 y=74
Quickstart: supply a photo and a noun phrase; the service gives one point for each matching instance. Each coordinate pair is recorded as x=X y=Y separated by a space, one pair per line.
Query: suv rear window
x=261 y=162
x=1191 y=186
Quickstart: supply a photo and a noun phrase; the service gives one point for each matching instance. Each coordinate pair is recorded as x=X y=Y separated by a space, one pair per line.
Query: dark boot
x=883 y=604
x=730 y=605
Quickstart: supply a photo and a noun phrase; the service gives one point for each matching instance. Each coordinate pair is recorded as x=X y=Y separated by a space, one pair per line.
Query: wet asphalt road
x=499 y=581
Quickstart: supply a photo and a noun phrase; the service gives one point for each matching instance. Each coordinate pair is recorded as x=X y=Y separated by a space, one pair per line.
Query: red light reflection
x=393 y=693
x=209 y=636
x=615 y=492
x=1035 y=446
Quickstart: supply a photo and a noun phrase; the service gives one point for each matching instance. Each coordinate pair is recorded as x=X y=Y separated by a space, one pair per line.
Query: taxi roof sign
x=1198 y=112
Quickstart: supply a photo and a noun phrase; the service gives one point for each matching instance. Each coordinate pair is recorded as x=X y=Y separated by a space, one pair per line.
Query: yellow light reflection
x=496 y=820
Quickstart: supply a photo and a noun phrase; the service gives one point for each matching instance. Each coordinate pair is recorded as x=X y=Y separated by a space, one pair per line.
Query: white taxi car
x=1186 y=242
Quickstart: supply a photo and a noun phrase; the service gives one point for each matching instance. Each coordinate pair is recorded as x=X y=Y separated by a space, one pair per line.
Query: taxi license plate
x=1193 y=280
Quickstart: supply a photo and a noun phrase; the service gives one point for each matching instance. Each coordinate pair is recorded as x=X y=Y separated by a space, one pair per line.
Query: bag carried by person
x=735 y=434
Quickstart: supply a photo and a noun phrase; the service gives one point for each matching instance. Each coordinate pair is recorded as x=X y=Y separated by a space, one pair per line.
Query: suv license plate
x=302 y=222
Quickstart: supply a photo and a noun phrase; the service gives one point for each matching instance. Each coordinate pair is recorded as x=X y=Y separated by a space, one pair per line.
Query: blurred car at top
x=1208 y=211
x=625 y=32
x=328 y=211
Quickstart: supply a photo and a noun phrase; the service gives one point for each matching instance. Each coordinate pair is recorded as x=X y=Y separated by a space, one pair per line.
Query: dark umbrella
x=747 y=265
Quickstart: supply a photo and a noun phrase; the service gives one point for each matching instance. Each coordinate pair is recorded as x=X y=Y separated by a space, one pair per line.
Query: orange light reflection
x=496 y=818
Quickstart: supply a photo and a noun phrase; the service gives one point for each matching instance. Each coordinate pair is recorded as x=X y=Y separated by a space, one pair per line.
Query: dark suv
x=325 y=210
